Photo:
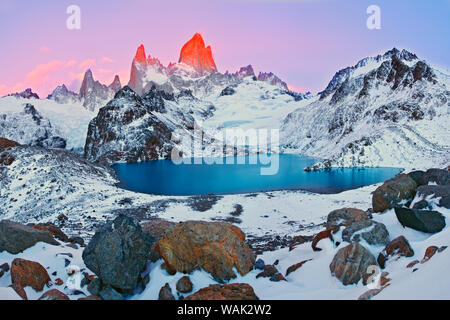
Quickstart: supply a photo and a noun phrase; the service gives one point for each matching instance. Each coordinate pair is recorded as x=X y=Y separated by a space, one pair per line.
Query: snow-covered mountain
x=389 y=110
x=63 y=95
x=196 y=70
x=131 y=128
x=95 y=94
x=31 y=128
x=26 y=94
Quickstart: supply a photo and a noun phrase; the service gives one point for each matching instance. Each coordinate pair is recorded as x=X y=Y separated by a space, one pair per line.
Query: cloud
x=42 y=72
x=44 y=49
x=107 y=60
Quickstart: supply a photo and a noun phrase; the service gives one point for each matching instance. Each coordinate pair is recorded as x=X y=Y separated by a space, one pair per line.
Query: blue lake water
x=163 y=177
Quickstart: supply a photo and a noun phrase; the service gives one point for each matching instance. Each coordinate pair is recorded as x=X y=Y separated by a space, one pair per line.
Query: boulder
x=54 y=294
x=392 y=192
x=437 y=176
x=260 y=264
x=118 y=253
x=345 y=217
x=350 y=264
x=157 y=228
x=15 y=237
x=235 y=291
x=417 y=176
x=184 y=285
x=109 y=293
x=373 y=232
x=217 y=247
x=166 y=293
x=421 y=220
x=25 y=273
x=434 y=191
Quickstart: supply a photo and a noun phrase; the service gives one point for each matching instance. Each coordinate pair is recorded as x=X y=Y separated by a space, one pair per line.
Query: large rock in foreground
x=235 y=291
x=157 y=229
x=345 y=217
x=25 y=273
x=118 y=252
x=350 y=264
x=217 y=247
x=392 y=192
x=421 y=220
x=15 y=237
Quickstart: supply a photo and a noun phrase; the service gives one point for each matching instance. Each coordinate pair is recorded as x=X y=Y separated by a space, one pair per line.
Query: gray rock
x=108 y=293
x=375 y=234
x=439 y=176
x=95 y=286
x=421 y=220
x=166 y=293
x=118 y=252
x=15 y=237
x=439 y=191
x=417 y=176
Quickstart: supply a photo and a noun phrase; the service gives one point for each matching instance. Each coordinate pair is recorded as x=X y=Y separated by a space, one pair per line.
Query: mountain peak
x=195 y=54
x=140 y=55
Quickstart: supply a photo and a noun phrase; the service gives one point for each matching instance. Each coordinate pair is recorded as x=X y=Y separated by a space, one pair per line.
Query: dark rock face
x=118 y=253
x=438 y=176
x=421 y=220
x=345 y=217
x=127 y=130
x=235 y=291
x=166 y=293
x=438 y=191
x=27 y=94
x=216 y=247
x=392 y=192
x=109 y=293
x=417 y=176
x=154 y=100
x=15 y=237
x=350 y=264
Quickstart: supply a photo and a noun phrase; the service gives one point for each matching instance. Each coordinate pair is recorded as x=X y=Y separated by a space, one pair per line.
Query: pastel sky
x=304 y=42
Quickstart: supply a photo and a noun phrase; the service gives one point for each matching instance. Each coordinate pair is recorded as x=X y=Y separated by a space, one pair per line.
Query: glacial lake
x=163 y=177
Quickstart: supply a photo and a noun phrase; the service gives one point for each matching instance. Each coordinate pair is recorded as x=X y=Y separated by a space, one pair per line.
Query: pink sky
x=303 y=42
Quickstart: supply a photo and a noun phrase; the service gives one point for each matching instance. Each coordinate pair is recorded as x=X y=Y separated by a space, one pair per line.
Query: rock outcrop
x=351 y=264
x=118 y=253
x=421 y=220
x=15 y=237
x=216 y=247
x=392 y=192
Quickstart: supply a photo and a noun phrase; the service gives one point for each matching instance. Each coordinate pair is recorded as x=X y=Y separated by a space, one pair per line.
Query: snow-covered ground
x=313 y=280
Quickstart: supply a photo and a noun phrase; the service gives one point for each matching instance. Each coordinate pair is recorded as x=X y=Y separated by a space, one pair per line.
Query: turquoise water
x=163 y=177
